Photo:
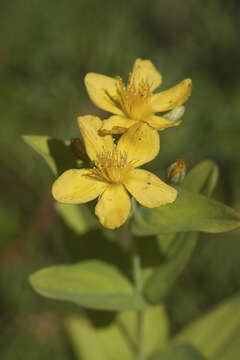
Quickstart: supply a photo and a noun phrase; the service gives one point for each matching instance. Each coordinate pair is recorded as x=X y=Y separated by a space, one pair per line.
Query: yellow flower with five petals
x=135 y=101
x=115 y=173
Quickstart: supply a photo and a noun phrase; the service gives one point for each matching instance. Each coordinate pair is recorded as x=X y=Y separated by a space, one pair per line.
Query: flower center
x=112 y=166
x=133 y=98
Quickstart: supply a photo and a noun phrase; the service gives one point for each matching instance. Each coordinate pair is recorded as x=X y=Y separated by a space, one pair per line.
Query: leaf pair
x=215 y=336
x=118 y=340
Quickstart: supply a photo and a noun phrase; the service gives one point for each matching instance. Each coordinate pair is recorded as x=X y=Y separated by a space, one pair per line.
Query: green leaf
x=77 y=217
x=92 y=284
x=181 y=352
x=217 y=333
x=202 y=178
x=156 y=327
x=163 y=278
x=102 y=343
x=57 y=153
x=117 y=341
x=190 y=212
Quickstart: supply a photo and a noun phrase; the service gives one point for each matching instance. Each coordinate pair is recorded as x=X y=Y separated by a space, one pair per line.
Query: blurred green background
x=46 y=48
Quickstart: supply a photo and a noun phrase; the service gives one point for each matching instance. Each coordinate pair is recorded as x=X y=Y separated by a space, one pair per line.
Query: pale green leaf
x=202 y=178
x=231 y=349
x=190 y=212
x=155 y=327
x=92 y=284
x=117 y=341
x=116 y=344
x=87 y=344
x=57 y=153
x=217 y=333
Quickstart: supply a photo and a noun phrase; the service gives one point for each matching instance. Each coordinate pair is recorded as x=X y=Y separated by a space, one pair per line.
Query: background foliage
x=46 y=50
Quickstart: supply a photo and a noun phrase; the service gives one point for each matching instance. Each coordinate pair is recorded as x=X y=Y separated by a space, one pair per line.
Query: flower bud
x=175 y=114
x=78 y=149
x=177 y=171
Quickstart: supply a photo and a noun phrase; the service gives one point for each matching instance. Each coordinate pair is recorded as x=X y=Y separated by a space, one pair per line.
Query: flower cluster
x=116 y=172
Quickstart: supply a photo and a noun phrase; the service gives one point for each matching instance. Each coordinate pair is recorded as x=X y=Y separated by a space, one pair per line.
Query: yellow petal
x=141 y=143
x=145 y=70
x=94 y=143
x=160 y=123
x=177 y=95
x=102 y=90
x=148 y=189
x=116 y=125
x=113 y=207
x=77 y=187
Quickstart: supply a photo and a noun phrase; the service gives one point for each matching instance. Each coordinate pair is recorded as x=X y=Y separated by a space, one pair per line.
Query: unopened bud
x=175 y=114
x=78 y=149
x=177 y=171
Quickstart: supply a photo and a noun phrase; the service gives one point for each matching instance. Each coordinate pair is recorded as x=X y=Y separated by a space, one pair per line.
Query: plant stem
x=140 y=348
x=137 y=272
x=140 y=314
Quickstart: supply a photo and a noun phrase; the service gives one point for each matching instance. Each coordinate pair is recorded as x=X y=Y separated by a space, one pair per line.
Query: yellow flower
x=115 y=173
x=135 y=101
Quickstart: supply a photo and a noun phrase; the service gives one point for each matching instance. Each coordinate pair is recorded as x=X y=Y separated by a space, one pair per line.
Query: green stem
x=140 y=348
x=140 y=314
x=137 y=272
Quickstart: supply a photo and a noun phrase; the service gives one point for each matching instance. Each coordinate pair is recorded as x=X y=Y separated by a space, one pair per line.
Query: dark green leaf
x=57 y=153
x=92 y=284
x=178 y=247
x=164 y=277
x=181 y=352
x=77 y=217
x=10 y=223
x=217 y=333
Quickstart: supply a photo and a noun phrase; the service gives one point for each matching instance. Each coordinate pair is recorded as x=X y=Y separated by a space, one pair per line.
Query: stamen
x=133 y=98
x=112 y=166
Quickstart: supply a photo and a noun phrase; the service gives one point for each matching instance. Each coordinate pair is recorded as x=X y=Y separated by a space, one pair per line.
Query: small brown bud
x=78 y=149
x=177 y=171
